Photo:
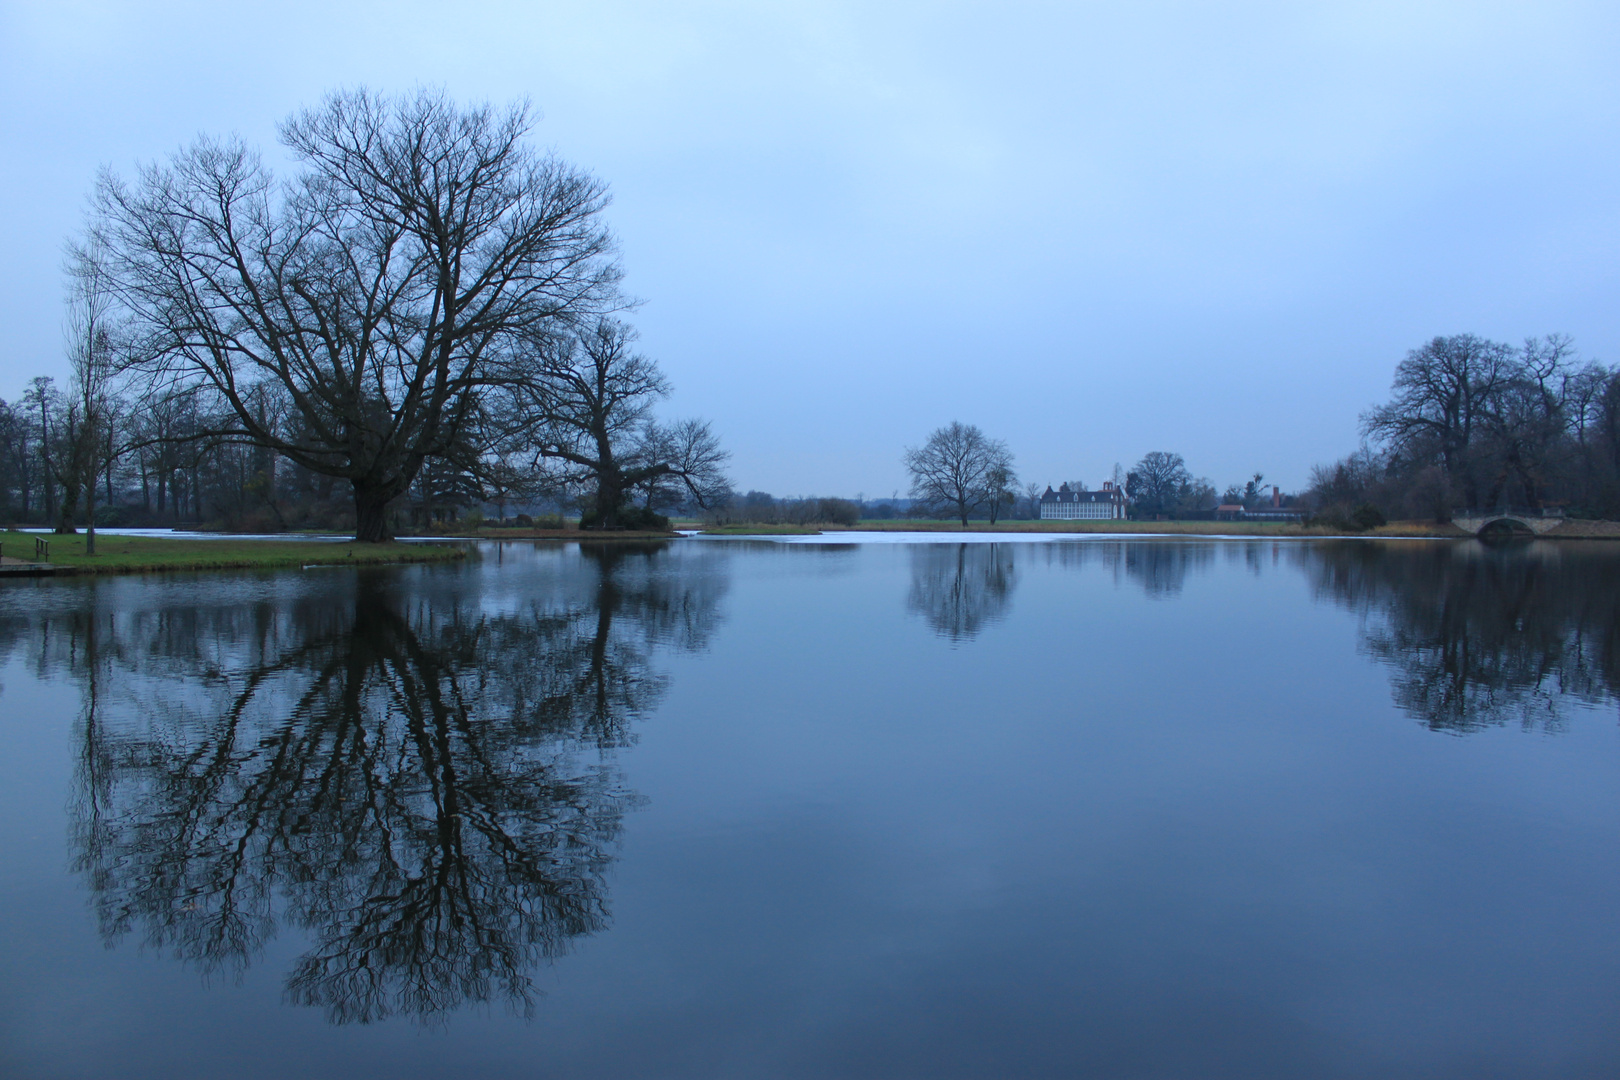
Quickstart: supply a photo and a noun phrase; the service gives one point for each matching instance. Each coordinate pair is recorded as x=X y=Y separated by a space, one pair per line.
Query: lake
x=811 y=808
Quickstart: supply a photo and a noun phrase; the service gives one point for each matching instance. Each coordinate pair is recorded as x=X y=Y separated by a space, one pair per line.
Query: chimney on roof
x=1276 y=496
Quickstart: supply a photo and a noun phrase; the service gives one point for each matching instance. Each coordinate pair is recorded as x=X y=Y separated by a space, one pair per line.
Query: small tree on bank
x=587 y=418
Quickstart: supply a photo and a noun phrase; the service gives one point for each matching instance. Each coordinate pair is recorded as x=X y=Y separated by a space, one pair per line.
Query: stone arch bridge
x=1477 y=521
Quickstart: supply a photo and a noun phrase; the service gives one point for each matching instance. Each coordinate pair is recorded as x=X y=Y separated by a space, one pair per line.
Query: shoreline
x=1425 y=530
x=126 y=554
x=120 y=554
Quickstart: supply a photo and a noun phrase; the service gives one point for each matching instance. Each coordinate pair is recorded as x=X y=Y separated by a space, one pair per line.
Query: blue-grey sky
x=1093 y=230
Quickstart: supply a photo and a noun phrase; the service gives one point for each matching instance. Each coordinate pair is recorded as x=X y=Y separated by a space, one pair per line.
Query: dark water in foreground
x=741 y=809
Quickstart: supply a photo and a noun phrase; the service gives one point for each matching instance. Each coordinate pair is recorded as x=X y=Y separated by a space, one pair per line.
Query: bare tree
x=90 y=448
x=41 y=397
x=959 y=468
x=378 y=297
x=1158 y=481
x=1443 y=394
x=1032 y=494
x=16 y=461
x=1001 y=485
x=588 y=416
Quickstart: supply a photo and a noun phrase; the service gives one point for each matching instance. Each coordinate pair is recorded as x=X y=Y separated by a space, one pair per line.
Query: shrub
x=1366 y=516
x=631 y=517
x=1341 y=518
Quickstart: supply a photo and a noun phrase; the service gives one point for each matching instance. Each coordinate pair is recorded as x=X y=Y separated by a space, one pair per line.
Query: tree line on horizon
x=1475 y=424
x=1471 y=424
x=959 y=472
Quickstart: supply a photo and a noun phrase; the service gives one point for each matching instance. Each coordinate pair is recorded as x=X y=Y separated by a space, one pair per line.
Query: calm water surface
x=723 y=808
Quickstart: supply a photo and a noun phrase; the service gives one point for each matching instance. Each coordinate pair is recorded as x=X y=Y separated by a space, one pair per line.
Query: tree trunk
x=26 y=475
x=90 y=516
x=371 y=514
x=69 y=509
x=609 y=498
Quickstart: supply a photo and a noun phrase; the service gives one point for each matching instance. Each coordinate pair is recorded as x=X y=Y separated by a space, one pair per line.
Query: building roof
x=1065 y=494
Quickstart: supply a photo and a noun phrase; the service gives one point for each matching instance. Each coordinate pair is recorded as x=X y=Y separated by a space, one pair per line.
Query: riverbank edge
x=151 y=555
x=1569 y=530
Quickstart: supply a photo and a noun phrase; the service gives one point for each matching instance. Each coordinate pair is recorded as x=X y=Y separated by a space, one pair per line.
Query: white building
x=1066 y=504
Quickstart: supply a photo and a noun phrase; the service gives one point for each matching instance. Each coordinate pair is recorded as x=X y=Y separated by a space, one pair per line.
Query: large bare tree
x=362 y=317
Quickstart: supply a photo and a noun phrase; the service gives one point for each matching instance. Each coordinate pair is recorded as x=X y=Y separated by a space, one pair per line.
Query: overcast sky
x=1092 y=230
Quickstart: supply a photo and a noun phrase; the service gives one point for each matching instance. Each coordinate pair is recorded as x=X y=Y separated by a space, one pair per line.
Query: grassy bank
x=143 y=554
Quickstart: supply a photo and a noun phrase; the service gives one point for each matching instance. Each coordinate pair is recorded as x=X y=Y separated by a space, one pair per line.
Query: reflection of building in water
x=416 y=783
x=961 y=588
x=1077 y=504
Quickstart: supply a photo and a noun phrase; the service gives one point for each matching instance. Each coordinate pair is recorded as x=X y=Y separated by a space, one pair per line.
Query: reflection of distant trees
x=961 y=588
x=1160 y=567
x=1480 y=636
x=399 y=772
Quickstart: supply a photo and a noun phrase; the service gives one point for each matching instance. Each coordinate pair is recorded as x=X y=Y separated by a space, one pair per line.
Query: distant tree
x=1197 y=496
x=16 y=463
x=1032 y=500
x=1001 y=488
x=1158 y=482
x=91 y=422
x=959 y=469
x=40 y=399
x=1254 y=491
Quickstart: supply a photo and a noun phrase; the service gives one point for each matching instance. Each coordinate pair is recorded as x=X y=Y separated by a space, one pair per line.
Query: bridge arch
x=1478 y=522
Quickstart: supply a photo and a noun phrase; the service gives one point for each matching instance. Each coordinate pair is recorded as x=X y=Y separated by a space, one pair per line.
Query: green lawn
x=136 y=554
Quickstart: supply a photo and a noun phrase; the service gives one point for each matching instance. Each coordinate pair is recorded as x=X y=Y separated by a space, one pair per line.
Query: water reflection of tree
x=1480 y=636
x=414 y=782
x=961 y=588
